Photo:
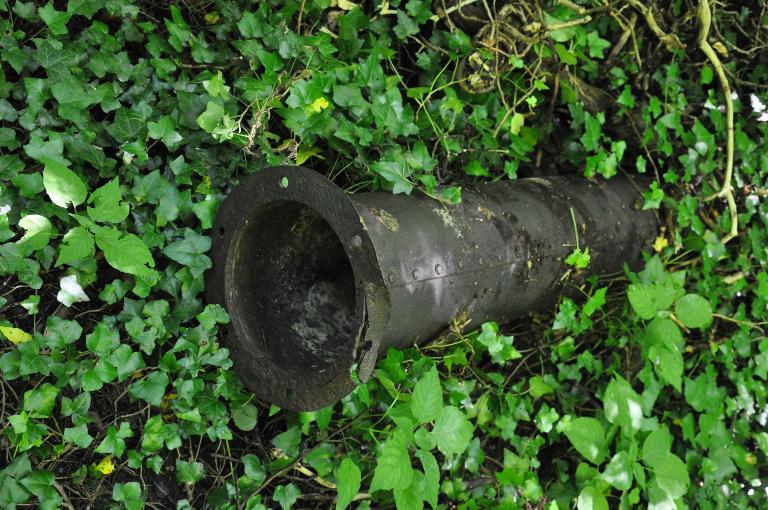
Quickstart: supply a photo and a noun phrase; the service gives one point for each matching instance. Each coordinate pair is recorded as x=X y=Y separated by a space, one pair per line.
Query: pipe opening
x=297 y=298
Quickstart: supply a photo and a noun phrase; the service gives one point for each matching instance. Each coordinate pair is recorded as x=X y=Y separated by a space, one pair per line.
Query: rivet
x=391 y=277
x=438 y=269
x=415 y=274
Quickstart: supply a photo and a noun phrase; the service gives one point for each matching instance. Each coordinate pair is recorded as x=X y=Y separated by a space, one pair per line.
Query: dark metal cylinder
x=318 y=283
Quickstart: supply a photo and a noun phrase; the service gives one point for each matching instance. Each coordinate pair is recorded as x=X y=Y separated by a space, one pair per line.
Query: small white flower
x=734 y=96
x=763 y=117
x=5 y=209
x=71 y=291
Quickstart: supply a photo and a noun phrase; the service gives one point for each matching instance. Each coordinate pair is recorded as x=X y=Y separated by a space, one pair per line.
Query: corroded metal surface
x=318 y=283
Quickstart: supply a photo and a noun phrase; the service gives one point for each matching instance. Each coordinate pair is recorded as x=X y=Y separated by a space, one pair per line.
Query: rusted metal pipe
x=318 y=283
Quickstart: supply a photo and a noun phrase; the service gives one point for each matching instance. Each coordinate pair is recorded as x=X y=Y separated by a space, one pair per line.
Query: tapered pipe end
x=295 y=268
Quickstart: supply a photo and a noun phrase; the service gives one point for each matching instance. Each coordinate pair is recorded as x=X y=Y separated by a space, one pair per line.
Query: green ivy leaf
x=39 y=402
x=151 y=389
x=245 y=417
x=286 y=495
x=78 y=435
x=189 y=472
x=107 y=203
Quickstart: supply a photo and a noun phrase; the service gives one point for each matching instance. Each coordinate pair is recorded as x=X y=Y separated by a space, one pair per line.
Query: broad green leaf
x=393 y=467
x=125 y=252
x=78 y=244
x=191 y=252
x=38 y=231
x=693 y=311
x=647 y=300
x=347 y=483
x=78 y=435
x=671 y=475
x=623 y=406
x=656 y=446
x=286 y=495
x=591 y=498
x=39 y=402
x=107 y=203
x=618 y=472
x=63 y=186
x=539 y=387
x=151 y=389
x=452 y=431
x=409 y=498
x=431 y=477
x=427 y=398
x=40 y=483
x=588 y=437
x=245 y=417
x=668 y=364
x=55 y=20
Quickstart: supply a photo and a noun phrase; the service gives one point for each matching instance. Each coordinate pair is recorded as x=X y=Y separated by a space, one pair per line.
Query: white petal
x=763 y=117
x=71 y=291
x=757 y=105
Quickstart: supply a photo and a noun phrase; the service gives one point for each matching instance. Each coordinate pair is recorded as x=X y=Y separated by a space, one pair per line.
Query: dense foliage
x=123 y=124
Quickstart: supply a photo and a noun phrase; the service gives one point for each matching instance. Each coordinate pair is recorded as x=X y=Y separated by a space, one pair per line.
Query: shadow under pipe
x=319 y=283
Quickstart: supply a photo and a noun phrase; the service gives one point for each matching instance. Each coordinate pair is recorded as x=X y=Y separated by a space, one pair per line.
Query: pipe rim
x=255 y=367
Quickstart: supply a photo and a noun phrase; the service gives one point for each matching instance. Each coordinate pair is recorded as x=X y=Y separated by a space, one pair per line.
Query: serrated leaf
x=588 y=437
x=347 y=483
x=647 y=300
x=431 y=477
x=393 y=467
x=427 y=398
x=78 y=244
x=63 y=186
x=623 y=406
x=452 y=431
x=671 y=475
x=125 y=252
x=618 y=472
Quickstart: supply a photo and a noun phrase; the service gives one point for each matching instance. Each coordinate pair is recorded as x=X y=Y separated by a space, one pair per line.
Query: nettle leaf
x=588 y=437
x=452 y=431
x=107 y=203
x=427 y=398
x=694 y=311
x=63 y=186
x=77 y=244
x=125 y=252
x=431 y=477
x=671 y=475
x=393 y=467
x=665 y=341
x=647 y=300
x=347 y=483
x=618 y=472
x=590 y=498
x=623 y=406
